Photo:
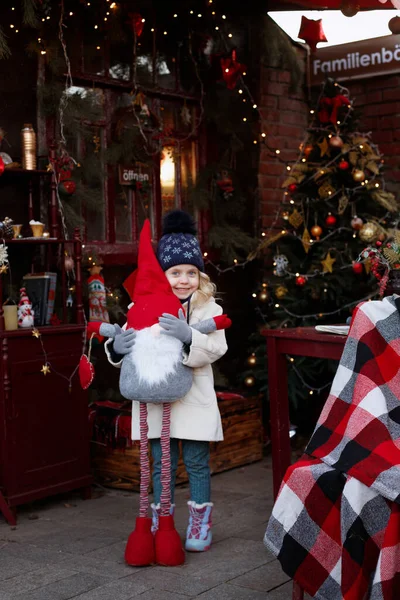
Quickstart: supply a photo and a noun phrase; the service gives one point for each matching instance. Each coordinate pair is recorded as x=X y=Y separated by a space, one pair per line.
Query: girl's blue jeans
x=196 y=456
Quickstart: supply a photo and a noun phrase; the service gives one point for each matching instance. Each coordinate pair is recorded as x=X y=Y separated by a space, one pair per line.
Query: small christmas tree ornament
x=280 y=262
x=343 y=204
x=292 y=188
x=281 y=291
x=25 y=312
x=336 y=141
x=67 y=187
x=296 y=219
x=344 y=165
x=330 y=220
x=326 y=190
x=356 y=223
x=370 y=232
x=316 y=231
x=358 y=175
x=357 y=268
x=306 y=240
x=300 y=280
x=308 y=148
x=327 y=263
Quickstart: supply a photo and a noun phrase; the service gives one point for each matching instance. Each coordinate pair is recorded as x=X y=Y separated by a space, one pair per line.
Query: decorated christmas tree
x=335 y=204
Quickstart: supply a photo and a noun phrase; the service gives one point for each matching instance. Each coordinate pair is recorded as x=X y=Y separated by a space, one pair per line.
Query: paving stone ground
x=66 y=547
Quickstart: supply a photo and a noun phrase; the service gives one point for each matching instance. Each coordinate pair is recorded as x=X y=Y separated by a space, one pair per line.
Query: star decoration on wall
x=45 y=369
x=36 y=333
x=328 y=263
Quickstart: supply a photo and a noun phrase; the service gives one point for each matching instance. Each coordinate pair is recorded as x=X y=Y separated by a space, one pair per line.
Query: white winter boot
x=198 y=535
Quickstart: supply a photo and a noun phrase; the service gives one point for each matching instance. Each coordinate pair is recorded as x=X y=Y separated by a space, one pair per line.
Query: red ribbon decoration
x=328 y=108
x=2 y=166
x=311 y=32
x=231 y=70
x=137 y=23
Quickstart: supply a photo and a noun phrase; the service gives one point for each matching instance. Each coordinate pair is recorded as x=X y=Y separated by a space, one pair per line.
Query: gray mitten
x=177 y=328
x=124 y=340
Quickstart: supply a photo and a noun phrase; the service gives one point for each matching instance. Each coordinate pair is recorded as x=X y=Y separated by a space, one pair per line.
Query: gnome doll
x=153 y=372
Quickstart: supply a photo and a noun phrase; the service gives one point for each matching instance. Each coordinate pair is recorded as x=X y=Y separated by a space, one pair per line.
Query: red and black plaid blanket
x=335 y=526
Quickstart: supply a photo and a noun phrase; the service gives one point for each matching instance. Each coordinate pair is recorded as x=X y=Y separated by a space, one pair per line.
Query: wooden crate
x=241 y=421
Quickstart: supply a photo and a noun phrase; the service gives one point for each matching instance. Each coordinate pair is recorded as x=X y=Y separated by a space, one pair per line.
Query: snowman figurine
x=25 y=312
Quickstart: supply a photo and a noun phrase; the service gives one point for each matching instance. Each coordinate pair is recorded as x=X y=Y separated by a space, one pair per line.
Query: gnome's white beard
x=154 y=355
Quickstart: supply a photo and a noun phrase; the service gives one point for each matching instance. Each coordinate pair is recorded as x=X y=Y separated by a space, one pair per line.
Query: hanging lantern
x=311 y=32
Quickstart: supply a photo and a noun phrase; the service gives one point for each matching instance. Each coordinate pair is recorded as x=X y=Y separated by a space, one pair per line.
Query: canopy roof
x=326 y=4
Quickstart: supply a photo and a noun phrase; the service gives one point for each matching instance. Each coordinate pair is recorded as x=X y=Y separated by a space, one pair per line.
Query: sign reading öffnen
x=365 y=58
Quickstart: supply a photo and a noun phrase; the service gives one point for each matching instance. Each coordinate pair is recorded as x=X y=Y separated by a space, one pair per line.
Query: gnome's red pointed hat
x=148 y=287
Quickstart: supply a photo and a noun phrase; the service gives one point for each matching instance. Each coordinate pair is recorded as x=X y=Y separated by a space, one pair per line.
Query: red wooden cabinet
x=44 y=436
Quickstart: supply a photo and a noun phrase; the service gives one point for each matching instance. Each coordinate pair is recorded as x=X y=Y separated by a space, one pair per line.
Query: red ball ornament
x=330 y=220
x=378 y=244
x=300 y=280
x=292 y=188
x=357 y=268
x=344 y=165
x=67 y=187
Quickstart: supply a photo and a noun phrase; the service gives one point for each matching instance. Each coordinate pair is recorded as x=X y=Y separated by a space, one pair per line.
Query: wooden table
x=300 y=341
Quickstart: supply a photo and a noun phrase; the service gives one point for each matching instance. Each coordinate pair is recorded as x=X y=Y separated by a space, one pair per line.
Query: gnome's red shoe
x=169 y=549
x=140 y=551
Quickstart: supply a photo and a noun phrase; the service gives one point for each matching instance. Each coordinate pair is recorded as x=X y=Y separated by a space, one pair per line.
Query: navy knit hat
x=178 y=244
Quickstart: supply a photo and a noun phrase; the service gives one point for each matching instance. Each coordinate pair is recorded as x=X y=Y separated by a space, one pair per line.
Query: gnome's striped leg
x=165 y=499
x=144 y=462
x=140 y=549
x=169 y=550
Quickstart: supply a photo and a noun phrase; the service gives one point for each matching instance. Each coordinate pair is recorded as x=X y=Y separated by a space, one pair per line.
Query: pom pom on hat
x=178 y=244
x=178 y=221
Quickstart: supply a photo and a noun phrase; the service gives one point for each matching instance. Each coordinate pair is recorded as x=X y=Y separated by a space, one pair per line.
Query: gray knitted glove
x=177 y=328
x=124 y=340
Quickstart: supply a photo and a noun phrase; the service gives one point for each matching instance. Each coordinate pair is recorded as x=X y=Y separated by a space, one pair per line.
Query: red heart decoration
x=86 y=372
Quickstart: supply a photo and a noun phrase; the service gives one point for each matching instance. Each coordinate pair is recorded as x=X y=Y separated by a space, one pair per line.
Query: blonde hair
x=206 y=290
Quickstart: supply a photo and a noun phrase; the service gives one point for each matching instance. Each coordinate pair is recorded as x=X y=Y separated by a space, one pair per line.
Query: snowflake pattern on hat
x=179 y=249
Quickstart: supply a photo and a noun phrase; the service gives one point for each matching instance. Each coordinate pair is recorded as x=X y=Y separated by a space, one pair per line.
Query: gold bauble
x=316 y=231
x=249 y=381
x=358 y=175
x=369 y=232
x=281 y=291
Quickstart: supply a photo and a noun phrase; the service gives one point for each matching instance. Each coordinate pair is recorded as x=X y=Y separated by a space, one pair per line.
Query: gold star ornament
x=3 y=269
x=36 y=333
x=324 y=148
x=327 y=263
x=45 y=369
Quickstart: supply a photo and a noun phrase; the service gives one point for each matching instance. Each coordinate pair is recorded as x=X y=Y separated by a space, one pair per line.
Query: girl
x=195 y=419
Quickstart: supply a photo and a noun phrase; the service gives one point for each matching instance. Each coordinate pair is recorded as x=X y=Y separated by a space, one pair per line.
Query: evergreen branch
x=5 y=51
x=29 y=16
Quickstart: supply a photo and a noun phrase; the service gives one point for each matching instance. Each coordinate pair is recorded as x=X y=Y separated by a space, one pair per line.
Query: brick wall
x=378 y=99
x=284 y=120
x=285 y=117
